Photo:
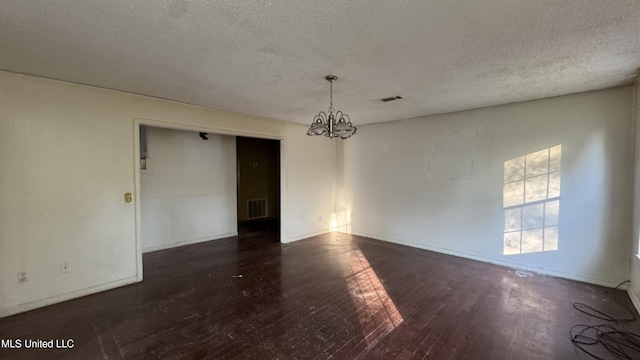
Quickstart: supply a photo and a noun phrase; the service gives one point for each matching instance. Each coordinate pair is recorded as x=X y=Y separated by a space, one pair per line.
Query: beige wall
x=634 y=286
x=67 y=156
x=188 y=192
x=437 y=182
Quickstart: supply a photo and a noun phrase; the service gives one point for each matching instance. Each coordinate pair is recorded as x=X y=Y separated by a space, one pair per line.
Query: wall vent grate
x=256 y=208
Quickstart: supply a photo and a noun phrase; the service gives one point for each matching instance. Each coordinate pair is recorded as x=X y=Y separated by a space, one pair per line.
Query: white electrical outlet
x=320 y=218
x=64 y=268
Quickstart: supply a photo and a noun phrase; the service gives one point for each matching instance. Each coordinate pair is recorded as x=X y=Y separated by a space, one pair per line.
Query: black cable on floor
x=620 y=344
x=586 y=309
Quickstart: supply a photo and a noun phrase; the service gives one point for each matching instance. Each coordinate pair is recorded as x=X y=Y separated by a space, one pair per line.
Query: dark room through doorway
x=258 y=186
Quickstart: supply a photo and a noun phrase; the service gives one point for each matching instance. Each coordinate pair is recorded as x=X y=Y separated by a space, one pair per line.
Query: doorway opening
x=190 y=140
x=258 y=189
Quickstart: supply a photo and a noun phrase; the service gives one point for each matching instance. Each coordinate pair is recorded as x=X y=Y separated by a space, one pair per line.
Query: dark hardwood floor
x=333 y=296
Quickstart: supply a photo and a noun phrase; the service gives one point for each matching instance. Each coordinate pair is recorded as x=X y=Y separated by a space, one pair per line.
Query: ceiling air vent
x=393 y=98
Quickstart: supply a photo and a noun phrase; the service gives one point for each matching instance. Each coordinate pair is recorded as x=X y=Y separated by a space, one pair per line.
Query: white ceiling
x=269 y=58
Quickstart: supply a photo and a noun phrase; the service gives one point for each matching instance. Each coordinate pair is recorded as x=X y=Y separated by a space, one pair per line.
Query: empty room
x=449 y=179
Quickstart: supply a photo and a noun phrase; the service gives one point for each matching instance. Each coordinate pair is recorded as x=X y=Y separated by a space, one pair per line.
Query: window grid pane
x=531 y=194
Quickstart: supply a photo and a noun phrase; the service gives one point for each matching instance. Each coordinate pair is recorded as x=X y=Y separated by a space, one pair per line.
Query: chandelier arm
x=322 y=116
x=332 y=125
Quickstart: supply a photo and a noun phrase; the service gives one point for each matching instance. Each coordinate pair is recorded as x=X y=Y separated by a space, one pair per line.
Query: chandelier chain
x=330 y=97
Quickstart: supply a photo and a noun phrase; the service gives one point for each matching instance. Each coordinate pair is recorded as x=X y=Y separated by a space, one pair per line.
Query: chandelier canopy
x=332 y=125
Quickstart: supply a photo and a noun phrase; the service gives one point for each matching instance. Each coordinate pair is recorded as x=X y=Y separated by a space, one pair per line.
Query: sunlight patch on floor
x=377 y=313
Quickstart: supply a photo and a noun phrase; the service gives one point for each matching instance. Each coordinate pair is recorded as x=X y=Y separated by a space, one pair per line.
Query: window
x=531 y=201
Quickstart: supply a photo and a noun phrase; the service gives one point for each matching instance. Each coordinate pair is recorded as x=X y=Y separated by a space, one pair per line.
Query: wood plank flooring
x=333 y=296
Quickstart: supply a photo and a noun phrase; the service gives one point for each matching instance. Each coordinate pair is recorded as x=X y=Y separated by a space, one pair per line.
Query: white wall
x=397 y=181
x=188 y=192
x=67 y=156
x=634 y=276
x=66 y=160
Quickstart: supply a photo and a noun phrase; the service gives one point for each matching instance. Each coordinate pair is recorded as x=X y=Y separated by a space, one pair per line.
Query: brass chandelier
x=332 y=125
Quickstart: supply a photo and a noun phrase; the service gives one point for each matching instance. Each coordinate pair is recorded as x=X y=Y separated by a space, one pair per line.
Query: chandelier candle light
x=338 y=125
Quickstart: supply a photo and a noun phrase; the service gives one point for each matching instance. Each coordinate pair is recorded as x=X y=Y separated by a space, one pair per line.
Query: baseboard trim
x=188 y=242
x=509 y=264
x=16 y=309
x=308 y=235
x=634 y=299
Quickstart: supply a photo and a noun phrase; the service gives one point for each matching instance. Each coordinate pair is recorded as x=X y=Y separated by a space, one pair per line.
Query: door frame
x=208 y=129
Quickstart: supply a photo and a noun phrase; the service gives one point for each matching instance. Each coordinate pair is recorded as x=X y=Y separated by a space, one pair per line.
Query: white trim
x=15 y=309
x=188 y=242
x=136 y=196
x=510 y=264
x=137 y=121
x=634 y=299
x=284 y=205
x=207 y=129
x=630 y=289
x=308 y=235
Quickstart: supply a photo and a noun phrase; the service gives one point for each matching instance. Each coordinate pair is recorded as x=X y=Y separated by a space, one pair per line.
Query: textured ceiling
x=269 y=58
